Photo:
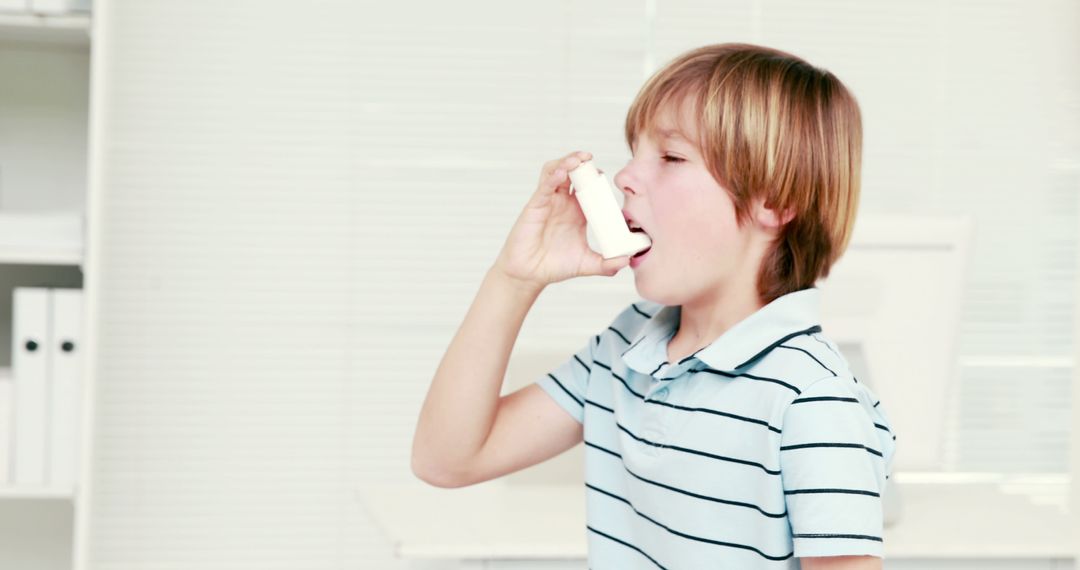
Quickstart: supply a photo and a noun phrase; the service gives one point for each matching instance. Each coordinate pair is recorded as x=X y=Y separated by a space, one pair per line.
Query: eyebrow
x=670 y=134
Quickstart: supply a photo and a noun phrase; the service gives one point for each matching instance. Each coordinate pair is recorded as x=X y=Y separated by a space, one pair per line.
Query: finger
x=574 y=159
x=567 y=163
x=612 y=266
x=551 y=166
x=608 y=267
x=564 y=181
x=548 y=168
x=552 y=182
x=571 y=162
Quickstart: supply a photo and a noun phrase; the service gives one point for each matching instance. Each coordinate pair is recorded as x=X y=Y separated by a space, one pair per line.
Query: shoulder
x=803 y=361
x=817 y=353
x=840 y=406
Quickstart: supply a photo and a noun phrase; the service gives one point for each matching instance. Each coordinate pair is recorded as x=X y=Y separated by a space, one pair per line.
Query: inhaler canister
x=595 y=194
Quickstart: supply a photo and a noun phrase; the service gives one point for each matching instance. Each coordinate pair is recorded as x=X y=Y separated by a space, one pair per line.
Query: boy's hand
x=548 y=242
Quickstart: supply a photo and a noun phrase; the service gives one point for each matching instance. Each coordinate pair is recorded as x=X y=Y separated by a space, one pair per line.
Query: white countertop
x=941 y=517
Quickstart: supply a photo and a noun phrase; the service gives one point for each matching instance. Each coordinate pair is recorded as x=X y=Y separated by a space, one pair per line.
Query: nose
x=622 y=180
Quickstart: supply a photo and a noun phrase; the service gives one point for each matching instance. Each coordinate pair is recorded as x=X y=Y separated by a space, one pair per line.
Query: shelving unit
x=37 y=493
x=44 y=133
x=64 y=29
x=41 y=238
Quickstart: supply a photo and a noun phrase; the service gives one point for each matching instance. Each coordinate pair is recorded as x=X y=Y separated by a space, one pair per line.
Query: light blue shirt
x=758 y=449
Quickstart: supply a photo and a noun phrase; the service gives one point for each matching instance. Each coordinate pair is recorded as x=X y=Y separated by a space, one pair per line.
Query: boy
x=722 y=428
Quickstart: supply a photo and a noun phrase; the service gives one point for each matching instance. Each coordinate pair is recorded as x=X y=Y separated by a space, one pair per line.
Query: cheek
x=697 y=222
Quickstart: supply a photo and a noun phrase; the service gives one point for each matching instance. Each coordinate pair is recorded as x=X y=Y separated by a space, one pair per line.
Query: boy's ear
x=771 y=218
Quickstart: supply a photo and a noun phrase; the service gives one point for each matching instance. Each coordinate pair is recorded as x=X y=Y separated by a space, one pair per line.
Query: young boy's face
x=698 y=251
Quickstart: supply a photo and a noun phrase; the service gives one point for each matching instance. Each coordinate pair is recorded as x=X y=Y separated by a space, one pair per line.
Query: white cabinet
x=44 y=131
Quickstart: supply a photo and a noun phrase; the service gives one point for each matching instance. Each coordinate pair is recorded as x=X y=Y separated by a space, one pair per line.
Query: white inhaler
x=594 y=193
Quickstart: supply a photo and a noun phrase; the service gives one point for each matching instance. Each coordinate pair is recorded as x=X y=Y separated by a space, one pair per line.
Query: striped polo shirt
x=758 y=449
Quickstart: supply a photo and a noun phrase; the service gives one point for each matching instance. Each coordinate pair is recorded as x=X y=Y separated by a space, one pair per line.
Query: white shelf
x=962 y=519
x=61 y=29
x=36 y=493
x=41 y=238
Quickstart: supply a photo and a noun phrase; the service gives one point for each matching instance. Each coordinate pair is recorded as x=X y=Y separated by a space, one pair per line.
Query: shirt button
x=661 y=395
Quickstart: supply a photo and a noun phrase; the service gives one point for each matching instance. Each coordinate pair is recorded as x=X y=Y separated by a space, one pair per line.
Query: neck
x=705 y=318
x=702 y=321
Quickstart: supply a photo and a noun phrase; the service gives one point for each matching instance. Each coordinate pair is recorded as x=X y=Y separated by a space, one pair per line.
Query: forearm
x=841 y=563
x=461 y=402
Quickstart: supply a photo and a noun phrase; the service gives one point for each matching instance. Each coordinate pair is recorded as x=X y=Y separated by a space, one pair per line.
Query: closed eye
x=669 y=158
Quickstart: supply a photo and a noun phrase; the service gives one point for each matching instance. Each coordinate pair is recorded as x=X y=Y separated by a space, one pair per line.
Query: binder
x=30 y=361
x=65 y=387
x=6 y=421
x=49 y=6
x=55 y=6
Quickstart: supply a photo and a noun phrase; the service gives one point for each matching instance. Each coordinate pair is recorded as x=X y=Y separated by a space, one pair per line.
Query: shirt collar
x=785 y=317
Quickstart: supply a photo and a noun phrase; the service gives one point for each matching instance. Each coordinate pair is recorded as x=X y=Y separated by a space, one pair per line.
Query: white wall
x=300 y=200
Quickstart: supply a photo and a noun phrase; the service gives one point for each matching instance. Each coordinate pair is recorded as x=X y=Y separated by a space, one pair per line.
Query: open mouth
x=636 y=229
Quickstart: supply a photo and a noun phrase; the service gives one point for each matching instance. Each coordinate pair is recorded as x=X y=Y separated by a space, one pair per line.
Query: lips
x=638 y=258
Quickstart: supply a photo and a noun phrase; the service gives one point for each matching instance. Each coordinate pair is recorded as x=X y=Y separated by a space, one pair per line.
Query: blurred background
x=270 y=218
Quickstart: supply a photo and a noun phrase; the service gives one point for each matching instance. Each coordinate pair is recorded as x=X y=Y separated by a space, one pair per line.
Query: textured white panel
x=227 y=272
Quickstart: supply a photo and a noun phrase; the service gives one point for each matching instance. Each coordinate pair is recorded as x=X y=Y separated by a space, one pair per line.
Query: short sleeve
x=835 y=455
x=569 y=382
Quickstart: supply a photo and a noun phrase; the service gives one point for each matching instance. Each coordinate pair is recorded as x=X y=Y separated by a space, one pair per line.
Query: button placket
x=657 y=387
x=661 y=394
x=655 y=424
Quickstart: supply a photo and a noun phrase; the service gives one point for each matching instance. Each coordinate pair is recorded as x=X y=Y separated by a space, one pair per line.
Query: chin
x=642 y=290
x=650 y=294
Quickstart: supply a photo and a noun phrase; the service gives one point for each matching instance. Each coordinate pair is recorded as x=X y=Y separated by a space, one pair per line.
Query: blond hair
x=776 y=128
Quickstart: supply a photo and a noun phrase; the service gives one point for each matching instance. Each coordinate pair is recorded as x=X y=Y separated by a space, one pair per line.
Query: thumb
x=611 y=266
